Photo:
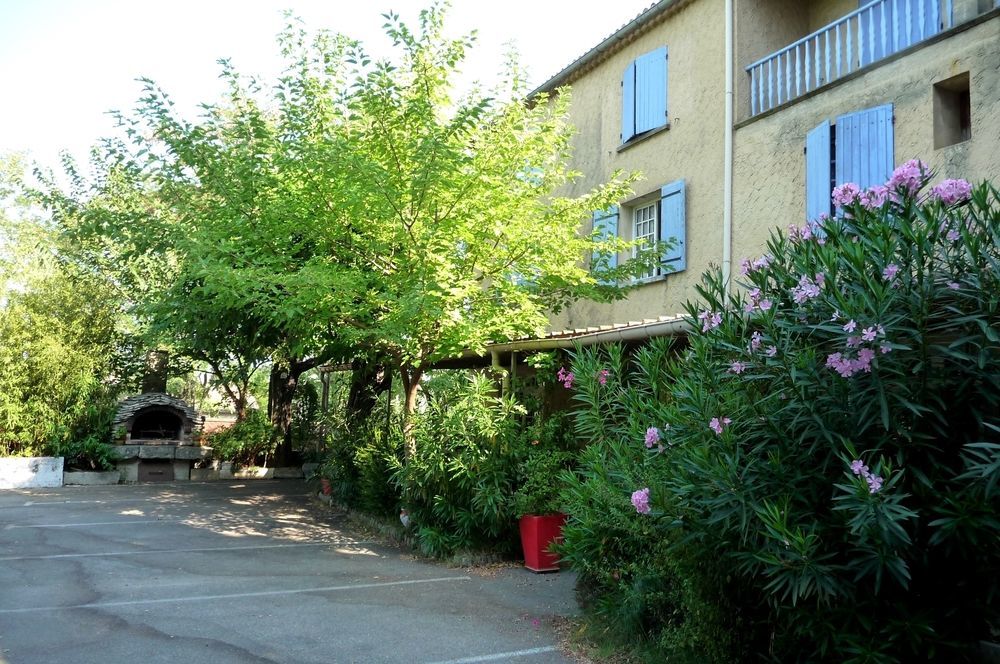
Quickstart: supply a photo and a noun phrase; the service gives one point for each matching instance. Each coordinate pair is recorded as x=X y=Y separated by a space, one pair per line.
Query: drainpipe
x=727 y=175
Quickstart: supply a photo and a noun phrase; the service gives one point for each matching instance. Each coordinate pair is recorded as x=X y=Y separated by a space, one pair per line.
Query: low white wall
x=30 y=472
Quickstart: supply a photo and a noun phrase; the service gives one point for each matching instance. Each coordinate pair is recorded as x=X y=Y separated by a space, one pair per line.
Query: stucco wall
x=769 y=165
x=691 y=150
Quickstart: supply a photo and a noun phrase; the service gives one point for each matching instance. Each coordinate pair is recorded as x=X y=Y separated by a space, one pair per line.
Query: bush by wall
x=817 y=474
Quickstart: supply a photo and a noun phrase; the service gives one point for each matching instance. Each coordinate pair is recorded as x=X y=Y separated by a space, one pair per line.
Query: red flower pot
x=325 y=486
x=537 y=534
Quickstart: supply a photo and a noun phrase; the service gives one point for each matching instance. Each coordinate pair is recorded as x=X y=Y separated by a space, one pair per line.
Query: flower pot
x=325 y=485
x=537 y=534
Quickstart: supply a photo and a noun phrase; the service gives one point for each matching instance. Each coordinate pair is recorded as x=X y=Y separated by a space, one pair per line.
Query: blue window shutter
x=606 y=225
x=818 y=171
x=628 y=103
x=651 y=90
x=865 y=147
x=673 y=226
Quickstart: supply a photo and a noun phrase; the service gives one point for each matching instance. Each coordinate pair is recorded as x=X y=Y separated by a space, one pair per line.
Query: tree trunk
x=411 y=385
x=284 y=381
x=368 y=380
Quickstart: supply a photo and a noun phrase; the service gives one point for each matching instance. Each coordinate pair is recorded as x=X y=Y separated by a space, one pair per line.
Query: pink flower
x=755 y=341
x=953 y=236
x=953 y=285
x=652 y=436
x=950 y=192
x=909 y=177
x=845 y=194
x=771 y=351
x=709 y=320
x=806 y=290
x=874 y=483
x=850 y=326
x=864 y=361
x=868 y=334
x=718 y=425
x=640 y=499
x=875 y=197
x=765 y=304
x=602 y=376
x=745 y=267
x=885 y=348
x=890 y=271
x=853 y=342
x=858 y=467
x=566 y=378
x=737 y=367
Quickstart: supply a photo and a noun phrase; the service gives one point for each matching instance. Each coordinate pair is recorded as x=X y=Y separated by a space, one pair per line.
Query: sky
x=65 y=63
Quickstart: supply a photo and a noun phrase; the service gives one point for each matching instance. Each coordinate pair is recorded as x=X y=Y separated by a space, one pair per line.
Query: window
x=857 y=147
x=644 y=95
x=661 y=219
x=952 y=111
x=644 y=230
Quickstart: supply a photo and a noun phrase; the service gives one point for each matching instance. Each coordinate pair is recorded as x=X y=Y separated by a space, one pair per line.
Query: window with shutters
x=661 y=216
x=644 y=95
x=856 y=147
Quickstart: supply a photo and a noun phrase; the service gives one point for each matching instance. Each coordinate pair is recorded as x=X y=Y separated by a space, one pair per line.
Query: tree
x=65 y=348
x=460 y=201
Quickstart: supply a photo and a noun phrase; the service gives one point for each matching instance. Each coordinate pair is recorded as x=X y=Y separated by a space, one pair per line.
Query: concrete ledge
x=254 y=473
x=156 y=451
x=30 y=472
x=193 y=453
x=292 y=473
x=127 y=451
x=89 y=478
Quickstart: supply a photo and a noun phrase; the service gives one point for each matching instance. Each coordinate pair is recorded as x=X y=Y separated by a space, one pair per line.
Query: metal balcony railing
x=869 y=34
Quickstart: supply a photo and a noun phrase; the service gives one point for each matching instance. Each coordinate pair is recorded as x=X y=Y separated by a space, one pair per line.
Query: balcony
x=871 y=33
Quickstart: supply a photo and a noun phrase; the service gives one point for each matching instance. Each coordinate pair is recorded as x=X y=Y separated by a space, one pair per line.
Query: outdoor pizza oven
x=156 y=419
x=157 y=437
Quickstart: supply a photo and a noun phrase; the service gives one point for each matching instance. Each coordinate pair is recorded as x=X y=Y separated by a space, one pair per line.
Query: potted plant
x=536 y=503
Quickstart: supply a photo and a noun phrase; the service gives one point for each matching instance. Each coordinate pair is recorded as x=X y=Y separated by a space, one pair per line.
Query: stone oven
x=161 y=438
x=157 y=419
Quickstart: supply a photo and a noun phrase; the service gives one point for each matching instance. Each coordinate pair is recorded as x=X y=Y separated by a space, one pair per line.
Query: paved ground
x=244 y=572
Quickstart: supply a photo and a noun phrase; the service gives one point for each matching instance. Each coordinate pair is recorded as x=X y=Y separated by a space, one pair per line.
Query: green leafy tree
x=459 y=198
x=65 y=347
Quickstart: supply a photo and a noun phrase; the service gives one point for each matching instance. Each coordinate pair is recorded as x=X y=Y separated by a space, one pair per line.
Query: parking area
x=245 y=572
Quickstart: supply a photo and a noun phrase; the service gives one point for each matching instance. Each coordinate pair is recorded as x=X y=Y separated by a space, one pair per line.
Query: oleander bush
x=249 y=442
x=814 y=477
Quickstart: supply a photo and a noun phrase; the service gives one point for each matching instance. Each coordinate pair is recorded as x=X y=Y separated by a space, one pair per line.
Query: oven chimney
x=155 y=377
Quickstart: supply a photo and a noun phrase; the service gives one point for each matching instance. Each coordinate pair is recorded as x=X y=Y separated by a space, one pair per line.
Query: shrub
x=90 y=453
x=248 y=442
x=458 y=485
x=361 y=461
x=828 y=454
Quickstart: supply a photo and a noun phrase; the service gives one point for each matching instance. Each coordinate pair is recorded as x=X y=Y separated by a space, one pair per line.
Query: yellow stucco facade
x=768 y=161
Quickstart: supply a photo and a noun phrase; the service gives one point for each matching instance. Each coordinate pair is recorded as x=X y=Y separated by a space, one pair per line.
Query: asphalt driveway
x=245 y=572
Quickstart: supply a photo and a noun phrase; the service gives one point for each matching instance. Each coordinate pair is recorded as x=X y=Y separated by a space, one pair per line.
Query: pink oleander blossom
x=853 y=342
x=602 y=376
x=709 y=320
x=953 y=236
x=909 y=177
x=850 y=326
x=640 y=500
x=868 y=334
x=845 y=194
x=652 y=437
x=806 y=290
x=875 y=197
x=771 y=351
x=718 y=425
x=755 y=341
x=873 y=481
x=890 y=271
x=951 y=192
x=765 y=304
x=885 y=348
x=953 y=285
x=737 y=367
x=566 y=377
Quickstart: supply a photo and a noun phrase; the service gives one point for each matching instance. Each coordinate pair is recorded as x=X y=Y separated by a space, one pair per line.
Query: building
x=743 y=114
